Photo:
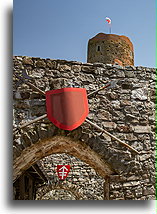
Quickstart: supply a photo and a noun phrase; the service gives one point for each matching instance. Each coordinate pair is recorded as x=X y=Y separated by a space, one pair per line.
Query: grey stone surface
x=127 y=111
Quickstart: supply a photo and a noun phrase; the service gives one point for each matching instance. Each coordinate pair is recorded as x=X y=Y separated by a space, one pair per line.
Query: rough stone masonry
x=127 y=111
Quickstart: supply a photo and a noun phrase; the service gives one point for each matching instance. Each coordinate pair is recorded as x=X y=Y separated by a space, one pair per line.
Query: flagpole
x=110 y=28
x=109 y=24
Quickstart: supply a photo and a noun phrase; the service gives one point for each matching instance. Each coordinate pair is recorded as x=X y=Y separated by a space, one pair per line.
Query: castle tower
x=110 y=49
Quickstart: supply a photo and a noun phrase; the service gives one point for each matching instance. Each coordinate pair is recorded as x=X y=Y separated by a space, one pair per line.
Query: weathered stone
x=116 y=104
x=143 y=121
x=112 y=49
x=145 y=157
x=124 y=128
x=41 y=63
x=129 y=74
x=130 y=67
x=138 y=192
x=38 y=73
x=133 y=178
x=126 y=85
x=142 y=129
x=130 y=184
x=131 y=137
x=25 y=95
x=38 y=111
x=88 y=69
x=64 y=68
x=125 y=102
x=120 y=74
x=140 y=94
x=76 y=68
x=17 y=95
x=22 y=104
x=27 y=61
x=87 y=78
x=149 y=191
x=153 y=76
x=129 y=194
x=113 y=95
x=118 y=115
x=51 y=64
x=35 y=95
x=105 y=115
x=110 y=125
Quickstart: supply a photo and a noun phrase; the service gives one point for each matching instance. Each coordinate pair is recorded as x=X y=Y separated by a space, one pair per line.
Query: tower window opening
x=98 y=48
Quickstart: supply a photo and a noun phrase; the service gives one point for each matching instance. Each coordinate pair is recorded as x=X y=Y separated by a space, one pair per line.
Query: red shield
x=62 y=171
x=67 y=108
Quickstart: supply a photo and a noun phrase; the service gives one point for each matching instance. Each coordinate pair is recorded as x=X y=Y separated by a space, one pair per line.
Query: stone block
x=27 y=61
x=140 y=94
x=88 y=69
x=22 y=104
x=116 y=104
x=37 y=73
x=110 y=125
x=25 y=95
x=120 y=74
x=133 y=178
x=138 y=192
x=131 y=137
x=104 y=115
x=129 y=194
x=17 y=95
x=153 y=77
x=51 y=64
x=144 y=157
x=131 y=184
x=41 y=63
x=126 y=85
x=149 y=191
x=76 y=68
x=129 y=74
x=113 y=95
x=142 y=129
x=124 y=128
x=64 y=68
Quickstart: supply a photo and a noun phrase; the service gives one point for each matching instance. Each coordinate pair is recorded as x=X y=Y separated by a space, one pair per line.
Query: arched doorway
x=60 y=144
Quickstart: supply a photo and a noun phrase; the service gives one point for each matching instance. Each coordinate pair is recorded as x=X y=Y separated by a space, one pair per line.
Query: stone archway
x=60 y=144
x=48 y=188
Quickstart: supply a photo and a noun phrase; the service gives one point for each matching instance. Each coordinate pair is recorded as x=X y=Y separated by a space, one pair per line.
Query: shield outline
x=49 y=109
x=59 y=167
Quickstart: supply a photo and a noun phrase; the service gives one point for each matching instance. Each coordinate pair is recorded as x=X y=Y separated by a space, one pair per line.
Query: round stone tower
x=110 y=49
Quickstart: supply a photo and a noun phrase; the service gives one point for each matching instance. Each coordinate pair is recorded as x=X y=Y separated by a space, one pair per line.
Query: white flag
x=108 y=20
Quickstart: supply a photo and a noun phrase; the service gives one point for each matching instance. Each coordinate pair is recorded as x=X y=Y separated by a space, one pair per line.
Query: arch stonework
x=48 y=188
x=59 y=144
x=127 y=111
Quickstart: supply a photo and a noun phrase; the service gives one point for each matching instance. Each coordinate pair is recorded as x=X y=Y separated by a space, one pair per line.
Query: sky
x=60 y=29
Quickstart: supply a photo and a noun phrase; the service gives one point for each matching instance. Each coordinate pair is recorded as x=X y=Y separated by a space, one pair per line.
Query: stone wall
x=127 y=111
x=81 y=178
